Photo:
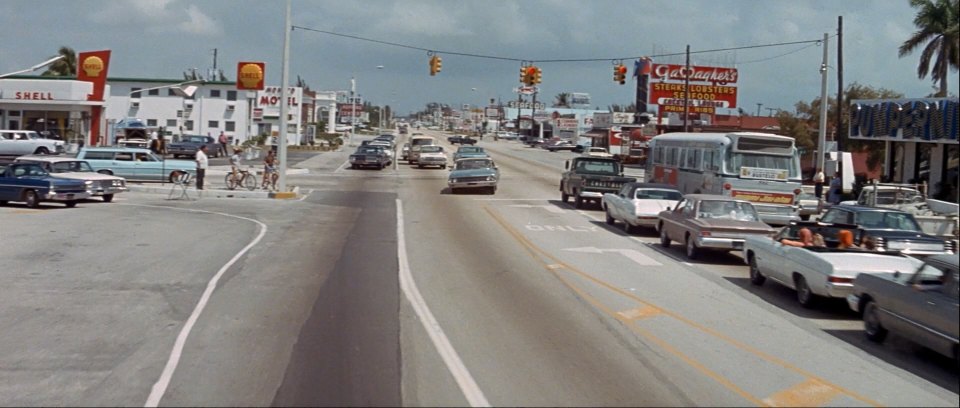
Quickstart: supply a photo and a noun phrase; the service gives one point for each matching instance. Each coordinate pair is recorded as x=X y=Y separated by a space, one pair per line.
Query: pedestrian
x=269 y=167
x=201 y=165
x=223 y=144
x=818 y=179
x=836 y=188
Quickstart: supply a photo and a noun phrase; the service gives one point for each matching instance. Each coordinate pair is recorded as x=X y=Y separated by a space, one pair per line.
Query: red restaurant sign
x=716 y=75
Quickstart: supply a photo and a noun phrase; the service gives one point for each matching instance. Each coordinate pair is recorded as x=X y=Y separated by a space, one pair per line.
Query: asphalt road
x=512 y=299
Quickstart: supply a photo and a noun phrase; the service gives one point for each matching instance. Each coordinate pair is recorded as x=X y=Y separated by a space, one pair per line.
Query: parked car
x=189 y=144
x=638 y=204
x=588 y=178
x=717 y=222
x=31 y=184
x=135 y=164
x=921 y=305
x=815 y=271
x=21 y=142
x=808 y=203
x=432 y=155
x=454 y=139
x=465 y=140
x=470 y=152
x=555 y=145
x=891 y=230
x=101 y=185
x=369 y=156
x=473 y=173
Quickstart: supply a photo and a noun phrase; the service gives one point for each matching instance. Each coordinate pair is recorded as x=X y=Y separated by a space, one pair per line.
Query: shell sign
x=250 y=75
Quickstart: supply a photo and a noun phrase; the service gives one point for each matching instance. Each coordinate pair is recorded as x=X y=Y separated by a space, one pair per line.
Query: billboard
x=918 y=120
x=710 y=88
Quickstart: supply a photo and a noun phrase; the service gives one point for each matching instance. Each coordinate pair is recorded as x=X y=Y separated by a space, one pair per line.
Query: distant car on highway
x=474 y=173
x=369 y=156
x=432 y=155
x=921 y=305
x=470 y=152
x=405 y=151
x=597 y=152
x=638 y=204
x=705 y=221
x=555 y=145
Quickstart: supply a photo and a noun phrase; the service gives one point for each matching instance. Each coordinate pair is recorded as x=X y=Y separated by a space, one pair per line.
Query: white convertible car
x=816 y=271
x=637 y=204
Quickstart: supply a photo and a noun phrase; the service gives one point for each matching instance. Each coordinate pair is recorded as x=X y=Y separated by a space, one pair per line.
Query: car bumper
x=107 y=190
x=778 y=219
x=66 y=196
x=720 y=243
x=472 y=184
x=838 y=290
x=853 y=301
x=428 y=162
x=645 y=221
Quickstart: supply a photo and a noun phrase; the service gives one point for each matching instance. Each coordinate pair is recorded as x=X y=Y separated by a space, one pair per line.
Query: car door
x=619 y=202
x=146 y=166
x=930 y=312
x=123 y=165
x=675 y=218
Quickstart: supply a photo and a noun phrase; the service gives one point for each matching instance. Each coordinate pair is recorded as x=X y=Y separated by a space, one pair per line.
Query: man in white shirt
x=201 y=165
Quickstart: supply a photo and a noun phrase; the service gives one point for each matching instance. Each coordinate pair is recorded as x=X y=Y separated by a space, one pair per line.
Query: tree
x=938 y=34
x=562 y=100
x=67 y=66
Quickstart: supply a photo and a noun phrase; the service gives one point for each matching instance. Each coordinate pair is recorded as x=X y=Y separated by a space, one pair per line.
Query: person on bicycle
x=269 y=169
x=235 y=163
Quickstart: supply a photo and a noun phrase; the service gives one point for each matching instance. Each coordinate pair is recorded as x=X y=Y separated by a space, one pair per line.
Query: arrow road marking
x=631 y=254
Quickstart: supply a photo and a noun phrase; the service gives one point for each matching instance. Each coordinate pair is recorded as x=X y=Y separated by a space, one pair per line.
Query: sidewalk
x=215 y=186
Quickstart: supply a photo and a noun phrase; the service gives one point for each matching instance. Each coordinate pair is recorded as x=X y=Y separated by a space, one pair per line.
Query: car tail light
x=727 y=186
x=837 y=279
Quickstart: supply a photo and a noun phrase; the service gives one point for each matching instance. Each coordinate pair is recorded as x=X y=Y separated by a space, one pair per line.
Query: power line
x=495 y=57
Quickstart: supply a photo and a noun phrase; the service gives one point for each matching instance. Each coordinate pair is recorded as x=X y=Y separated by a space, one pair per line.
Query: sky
x=164 y=38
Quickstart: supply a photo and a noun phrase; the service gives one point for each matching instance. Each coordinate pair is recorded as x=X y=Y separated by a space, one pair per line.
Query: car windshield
x=658 y=194
x=598 y=167
x=887 y=220
x=726 y=209
x=474 y=164
x=71 y=166
x=470 y=149
x=431 y=149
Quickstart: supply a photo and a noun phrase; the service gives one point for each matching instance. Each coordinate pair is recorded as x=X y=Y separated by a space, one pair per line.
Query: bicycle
x=246 y=179
x=272 y=182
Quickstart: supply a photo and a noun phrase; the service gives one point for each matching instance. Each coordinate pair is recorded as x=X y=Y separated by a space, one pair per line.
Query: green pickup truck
x=589 y=178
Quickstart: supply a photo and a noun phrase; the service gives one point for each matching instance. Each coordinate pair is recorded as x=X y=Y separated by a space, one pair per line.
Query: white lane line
x=342 y=167
x=306 y=195
x=160 y=387
x=450 y=357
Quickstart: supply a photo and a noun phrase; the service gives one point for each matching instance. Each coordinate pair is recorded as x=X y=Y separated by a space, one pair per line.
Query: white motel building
x=205 y=108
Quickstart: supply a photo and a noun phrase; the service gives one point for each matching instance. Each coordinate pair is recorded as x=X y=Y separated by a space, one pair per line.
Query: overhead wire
x=495 y=57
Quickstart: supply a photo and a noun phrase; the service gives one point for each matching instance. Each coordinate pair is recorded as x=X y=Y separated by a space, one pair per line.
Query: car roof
x=49 y=159
x=863 y=208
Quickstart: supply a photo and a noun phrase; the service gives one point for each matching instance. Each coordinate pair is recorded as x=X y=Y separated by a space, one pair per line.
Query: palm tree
x=937 y=22
x=67 y=66
x=562 y=100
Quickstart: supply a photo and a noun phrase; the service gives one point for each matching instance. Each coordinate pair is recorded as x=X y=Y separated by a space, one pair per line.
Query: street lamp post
x=35 y=67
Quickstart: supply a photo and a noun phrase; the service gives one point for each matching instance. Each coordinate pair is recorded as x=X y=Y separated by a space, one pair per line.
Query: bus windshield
x=735 y=161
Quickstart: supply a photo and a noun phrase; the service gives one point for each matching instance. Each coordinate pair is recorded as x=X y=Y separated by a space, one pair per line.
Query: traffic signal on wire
x=530 y=76
x=523 y=75
x=436 y=64
x=620 y=73
x=537 y=75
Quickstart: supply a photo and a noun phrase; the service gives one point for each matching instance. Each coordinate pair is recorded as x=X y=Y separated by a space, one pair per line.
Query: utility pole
x=822 y=136
x=840 y=130
x=770 y=111
x=284 y=99
x=758 y=108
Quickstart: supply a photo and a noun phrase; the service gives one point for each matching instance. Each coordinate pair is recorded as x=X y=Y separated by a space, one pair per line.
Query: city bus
x=759 y=167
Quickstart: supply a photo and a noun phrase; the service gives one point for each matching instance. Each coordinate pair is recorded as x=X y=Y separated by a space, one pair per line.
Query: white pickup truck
x=21 y=142
x=816 y=271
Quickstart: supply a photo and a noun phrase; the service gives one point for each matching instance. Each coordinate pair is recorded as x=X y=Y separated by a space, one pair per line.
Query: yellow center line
x=808 y=393
x=550 y=259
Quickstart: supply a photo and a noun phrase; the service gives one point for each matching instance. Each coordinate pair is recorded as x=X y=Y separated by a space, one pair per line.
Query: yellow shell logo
x=251 y=75
x=92 y=66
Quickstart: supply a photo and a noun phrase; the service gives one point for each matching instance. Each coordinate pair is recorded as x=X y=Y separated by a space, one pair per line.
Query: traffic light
x=523 y=75
x=436 y=64
x=537 y=75
x=620 y=73
x=530 y=76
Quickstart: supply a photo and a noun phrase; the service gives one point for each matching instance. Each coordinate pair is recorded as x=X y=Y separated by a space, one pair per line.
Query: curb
x=194 y=194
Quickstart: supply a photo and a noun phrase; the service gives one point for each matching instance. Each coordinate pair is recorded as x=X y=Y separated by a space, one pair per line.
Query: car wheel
x=454 y=190
x=107 y=172
x=871 y=323
x=41 y=150
x=563 y=194
x=628 y=228
x=70 y=204
x=664 y=238
x=577 y=200
x=30 y=197
x=804 y=295
x=3 y=202
x=107 y=198
x=692 y=250
x=610 y=220
x=419 y=166
x=756 y=277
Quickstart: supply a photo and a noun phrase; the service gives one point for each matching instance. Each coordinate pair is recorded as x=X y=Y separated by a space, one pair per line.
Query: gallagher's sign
x=710 y=88
x=918 y=120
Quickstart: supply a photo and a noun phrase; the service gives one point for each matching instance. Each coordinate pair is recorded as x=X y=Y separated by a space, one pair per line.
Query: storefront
x=54 y=107
x=920 y=140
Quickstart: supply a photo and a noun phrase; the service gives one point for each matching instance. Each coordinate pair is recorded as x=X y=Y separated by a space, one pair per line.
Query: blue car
x=31 y=184
x=474 y=174
x=470 y=152
x=135 y=164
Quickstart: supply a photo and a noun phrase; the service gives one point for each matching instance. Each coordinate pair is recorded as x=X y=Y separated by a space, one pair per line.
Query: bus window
x=737 y=160
x=682 y=163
